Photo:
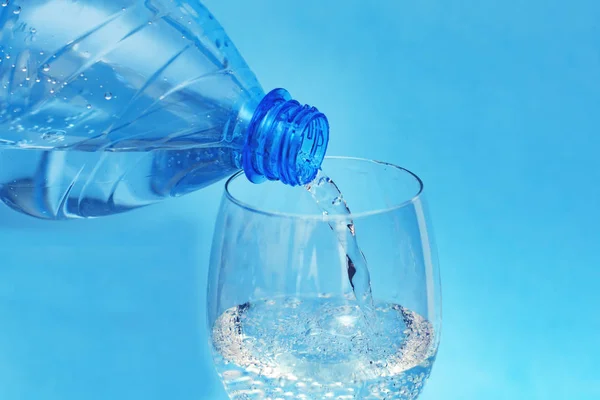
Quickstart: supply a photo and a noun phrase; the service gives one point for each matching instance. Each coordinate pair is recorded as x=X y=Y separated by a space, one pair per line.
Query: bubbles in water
x=33 y=31
x=5 y=3
x=351 y=229
x=324 y=343
x=89 y=106
x=108 y=95
x=24 y=69
x=17 y=10
x=52 y=91
x=46 y=67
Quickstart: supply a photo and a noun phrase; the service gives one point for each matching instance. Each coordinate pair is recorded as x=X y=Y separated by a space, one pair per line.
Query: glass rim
x=320 y=217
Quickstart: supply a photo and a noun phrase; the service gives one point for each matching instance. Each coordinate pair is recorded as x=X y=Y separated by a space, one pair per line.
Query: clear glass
x=282 y=315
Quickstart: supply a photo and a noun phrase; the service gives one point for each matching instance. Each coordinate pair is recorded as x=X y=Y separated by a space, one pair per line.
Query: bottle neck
x=285 y=141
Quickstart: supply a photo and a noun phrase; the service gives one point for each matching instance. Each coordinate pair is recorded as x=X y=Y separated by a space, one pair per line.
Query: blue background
x=494 y=104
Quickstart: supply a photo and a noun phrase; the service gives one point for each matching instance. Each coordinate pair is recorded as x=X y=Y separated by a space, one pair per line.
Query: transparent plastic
x=107 y=106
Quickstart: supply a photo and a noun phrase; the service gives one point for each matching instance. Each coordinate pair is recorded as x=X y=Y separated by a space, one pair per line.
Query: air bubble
x=108 y=95
x=5 y=3
x=89 y=106
x=46 y=68
x=17 y=11
x=323 y=181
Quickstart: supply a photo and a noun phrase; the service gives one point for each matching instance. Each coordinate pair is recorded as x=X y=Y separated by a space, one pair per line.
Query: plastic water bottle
x=107 y=106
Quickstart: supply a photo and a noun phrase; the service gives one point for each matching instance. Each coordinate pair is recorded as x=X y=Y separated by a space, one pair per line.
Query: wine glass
x=295 y=311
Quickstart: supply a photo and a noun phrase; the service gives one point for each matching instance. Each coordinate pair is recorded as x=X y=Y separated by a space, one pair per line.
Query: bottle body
x=109 y=106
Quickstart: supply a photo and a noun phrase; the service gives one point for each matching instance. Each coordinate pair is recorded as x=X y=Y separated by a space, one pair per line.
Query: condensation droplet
x=5 y=3
x=46 y=67
x=108 y=95
x=54 y=136
x=17 y=10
